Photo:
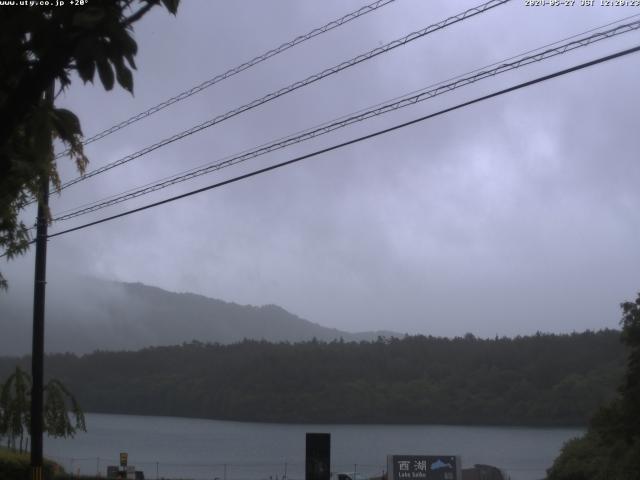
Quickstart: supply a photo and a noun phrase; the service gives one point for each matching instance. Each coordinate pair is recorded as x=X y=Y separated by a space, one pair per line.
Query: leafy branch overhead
x=42 y=47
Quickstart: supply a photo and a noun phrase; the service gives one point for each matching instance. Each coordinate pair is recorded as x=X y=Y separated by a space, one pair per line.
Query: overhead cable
x=294 y=86
x=356 y=140
x=378 y=110
x=235 y=70
x=449 y=80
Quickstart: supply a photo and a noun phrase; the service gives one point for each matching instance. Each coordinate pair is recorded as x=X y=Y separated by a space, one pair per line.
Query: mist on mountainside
x=85 y=314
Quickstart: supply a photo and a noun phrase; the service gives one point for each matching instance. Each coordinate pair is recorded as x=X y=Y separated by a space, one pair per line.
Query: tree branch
x=139 y=14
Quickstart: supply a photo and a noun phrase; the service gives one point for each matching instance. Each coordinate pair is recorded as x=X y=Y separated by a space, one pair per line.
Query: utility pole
x=37 y=349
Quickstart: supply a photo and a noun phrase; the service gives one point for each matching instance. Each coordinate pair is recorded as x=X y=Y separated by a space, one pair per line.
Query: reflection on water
x=172 y=447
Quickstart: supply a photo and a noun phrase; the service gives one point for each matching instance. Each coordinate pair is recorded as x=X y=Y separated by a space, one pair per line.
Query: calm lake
x=207 y=449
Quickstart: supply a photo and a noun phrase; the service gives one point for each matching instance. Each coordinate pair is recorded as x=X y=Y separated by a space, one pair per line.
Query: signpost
x=424 y=467
x=124 y=460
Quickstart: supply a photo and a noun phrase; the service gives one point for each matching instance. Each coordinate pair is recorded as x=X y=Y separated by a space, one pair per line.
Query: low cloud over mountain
x=85 y=314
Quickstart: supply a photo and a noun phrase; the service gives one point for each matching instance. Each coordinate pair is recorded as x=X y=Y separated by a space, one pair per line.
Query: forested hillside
x=539 y=380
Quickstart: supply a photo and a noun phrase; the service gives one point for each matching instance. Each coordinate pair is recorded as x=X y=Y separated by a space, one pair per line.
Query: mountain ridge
x=112 y=315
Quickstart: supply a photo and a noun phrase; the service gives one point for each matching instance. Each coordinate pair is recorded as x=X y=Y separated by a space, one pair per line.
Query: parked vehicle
x=349 y=476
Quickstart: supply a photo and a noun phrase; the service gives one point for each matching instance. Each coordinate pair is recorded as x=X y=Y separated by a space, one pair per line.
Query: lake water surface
x=172 y=447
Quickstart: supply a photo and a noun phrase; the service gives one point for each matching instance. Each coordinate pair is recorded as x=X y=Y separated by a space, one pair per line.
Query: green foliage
x=16 y=466
x=15 y=404
x=593 y=457
x=15 y=408
x=58 y=403
x=580 y=460
x=610 y=450
x=538 y=380
x=630 y=390
x=41 y=47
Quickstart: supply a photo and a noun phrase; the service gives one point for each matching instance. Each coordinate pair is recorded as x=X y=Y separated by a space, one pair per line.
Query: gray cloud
x=515 y=215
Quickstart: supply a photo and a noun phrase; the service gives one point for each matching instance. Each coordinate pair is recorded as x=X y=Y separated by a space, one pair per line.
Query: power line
x=378 y=110
x=294 y=86
x=233 y=71
x=357 y=140
x=155 y=185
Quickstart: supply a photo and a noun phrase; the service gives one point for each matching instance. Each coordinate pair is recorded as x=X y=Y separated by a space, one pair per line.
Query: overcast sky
x=511 y=216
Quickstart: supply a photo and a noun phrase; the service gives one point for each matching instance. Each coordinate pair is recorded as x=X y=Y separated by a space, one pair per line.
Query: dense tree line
x=537 y=380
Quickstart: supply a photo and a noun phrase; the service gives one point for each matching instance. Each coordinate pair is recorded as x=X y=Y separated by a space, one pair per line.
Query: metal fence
x=234 y=470
x=282 y=470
